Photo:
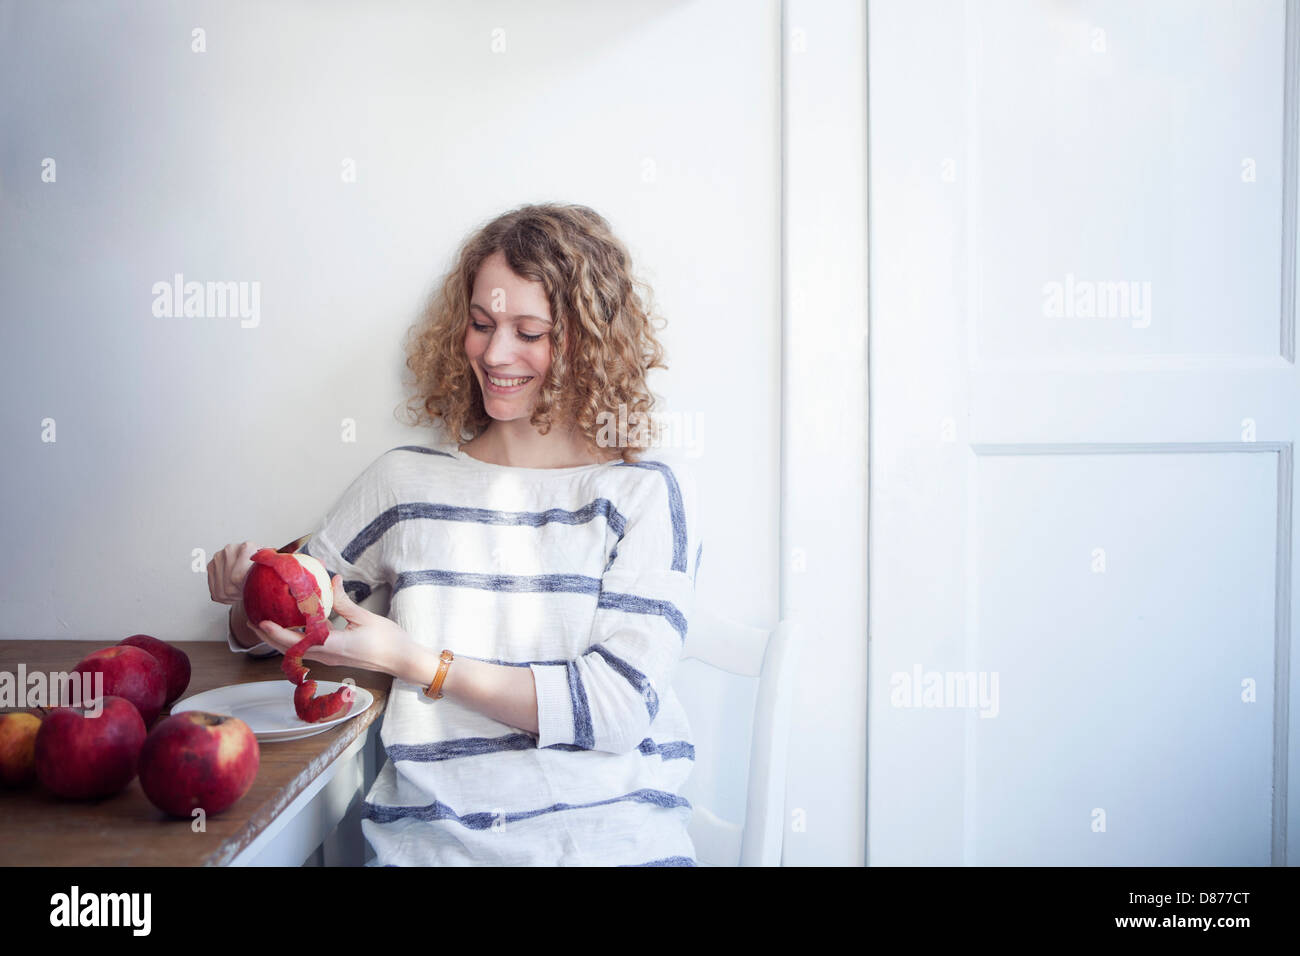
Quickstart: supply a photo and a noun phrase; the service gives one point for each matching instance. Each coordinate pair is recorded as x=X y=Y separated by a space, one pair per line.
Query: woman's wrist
x=417 y=664
x=240 y=628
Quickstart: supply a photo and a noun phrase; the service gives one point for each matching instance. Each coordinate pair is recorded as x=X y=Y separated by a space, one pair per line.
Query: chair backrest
x=768 y=656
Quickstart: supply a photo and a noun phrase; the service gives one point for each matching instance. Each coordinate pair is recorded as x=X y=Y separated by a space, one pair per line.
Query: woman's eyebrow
x=475 y=305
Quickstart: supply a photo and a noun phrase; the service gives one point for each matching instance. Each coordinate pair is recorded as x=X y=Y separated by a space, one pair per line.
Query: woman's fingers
x=280 y=638
x=270 y=632
x=241 y=562
x=227 y=571
x=344 y=606
x=283 y=640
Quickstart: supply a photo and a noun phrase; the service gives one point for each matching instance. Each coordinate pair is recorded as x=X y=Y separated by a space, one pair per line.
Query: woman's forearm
x=499 y=691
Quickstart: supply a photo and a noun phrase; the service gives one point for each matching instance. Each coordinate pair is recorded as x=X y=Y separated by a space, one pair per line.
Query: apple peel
x=303 y=586
x=314 y=709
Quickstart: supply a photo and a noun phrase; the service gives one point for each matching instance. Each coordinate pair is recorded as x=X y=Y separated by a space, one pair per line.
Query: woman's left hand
x=370 y=641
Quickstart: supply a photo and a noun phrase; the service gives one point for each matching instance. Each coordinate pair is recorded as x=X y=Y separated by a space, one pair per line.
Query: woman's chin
x=506 y=411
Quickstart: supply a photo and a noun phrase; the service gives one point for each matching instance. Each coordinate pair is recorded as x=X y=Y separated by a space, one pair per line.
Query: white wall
x=824 y=466
x=178 y=435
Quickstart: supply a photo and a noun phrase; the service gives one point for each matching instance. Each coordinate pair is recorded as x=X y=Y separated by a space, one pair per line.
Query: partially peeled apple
x=294 y=590
x=267 y=596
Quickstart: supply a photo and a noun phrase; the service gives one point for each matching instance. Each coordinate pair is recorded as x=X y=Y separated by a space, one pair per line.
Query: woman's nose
x=498 y=352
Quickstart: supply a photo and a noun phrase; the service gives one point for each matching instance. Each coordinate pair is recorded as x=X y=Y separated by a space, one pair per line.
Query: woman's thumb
x=343 y=603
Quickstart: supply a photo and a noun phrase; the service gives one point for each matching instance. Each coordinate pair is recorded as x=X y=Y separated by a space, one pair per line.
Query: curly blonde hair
x=602 y=338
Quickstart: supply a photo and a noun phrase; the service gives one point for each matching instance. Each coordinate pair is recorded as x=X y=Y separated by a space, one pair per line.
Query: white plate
x=267 y=707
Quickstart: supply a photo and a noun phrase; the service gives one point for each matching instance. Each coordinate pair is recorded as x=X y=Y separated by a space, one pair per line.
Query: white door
x=1083 y=401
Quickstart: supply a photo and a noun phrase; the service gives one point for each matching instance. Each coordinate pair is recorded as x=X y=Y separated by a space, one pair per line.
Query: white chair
x=768 y=656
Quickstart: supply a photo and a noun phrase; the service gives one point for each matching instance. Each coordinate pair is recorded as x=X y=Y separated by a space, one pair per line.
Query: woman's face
x=508 y=338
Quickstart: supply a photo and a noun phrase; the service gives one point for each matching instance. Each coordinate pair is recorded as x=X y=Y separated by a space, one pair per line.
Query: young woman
x=539 y=551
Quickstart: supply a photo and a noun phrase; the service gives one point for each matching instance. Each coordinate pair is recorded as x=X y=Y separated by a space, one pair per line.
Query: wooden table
x=303 y=787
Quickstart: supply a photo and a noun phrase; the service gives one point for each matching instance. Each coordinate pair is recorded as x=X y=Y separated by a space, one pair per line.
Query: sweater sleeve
x=607 y=698
x=350 y=541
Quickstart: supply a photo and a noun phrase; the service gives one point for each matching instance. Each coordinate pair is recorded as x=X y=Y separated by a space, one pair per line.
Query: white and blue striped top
x=586 y=575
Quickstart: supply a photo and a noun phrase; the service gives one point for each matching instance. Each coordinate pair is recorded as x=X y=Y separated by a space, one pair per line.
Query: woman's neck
x=518 y=444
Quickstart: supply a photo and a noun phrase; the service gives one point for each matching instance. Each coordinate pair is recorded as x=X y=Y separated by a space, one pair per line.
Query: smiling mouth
x=508 y=382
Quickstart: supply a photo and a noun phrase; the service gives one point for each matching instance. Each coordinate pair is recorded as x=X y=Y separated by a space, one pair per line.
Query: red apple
x=295 y=590
x=267 y=596
x=175 y=662
x=196 y=759
x=130 y=673
x=84 y=757
x=18 y=748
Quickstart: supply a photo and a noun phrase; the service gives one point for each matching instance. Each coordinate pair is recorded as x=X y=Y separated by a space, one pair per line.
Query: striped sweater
x=585 y=575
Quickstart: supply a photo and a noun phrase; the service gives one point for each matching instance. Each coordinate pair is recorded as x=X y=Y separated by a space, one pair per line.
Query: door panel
x=1083 y=403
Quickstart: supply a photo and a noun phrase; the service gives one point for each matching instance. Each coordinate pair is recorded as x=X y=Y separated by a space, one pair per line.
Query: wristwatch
x=434 y=690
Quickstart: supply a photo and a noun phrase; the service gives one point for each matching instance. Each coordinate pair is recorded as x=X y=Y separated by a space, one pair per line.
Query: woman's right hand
x=227 y=570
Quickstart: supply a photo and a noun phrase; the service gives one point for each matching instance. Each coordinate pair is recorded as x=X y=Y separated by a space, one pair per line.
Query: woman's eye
x=480 y=327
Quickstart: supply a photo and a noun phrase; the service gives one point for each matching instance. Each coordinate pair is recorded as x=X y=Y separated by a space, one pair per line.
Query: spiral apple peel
x=304 y=588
